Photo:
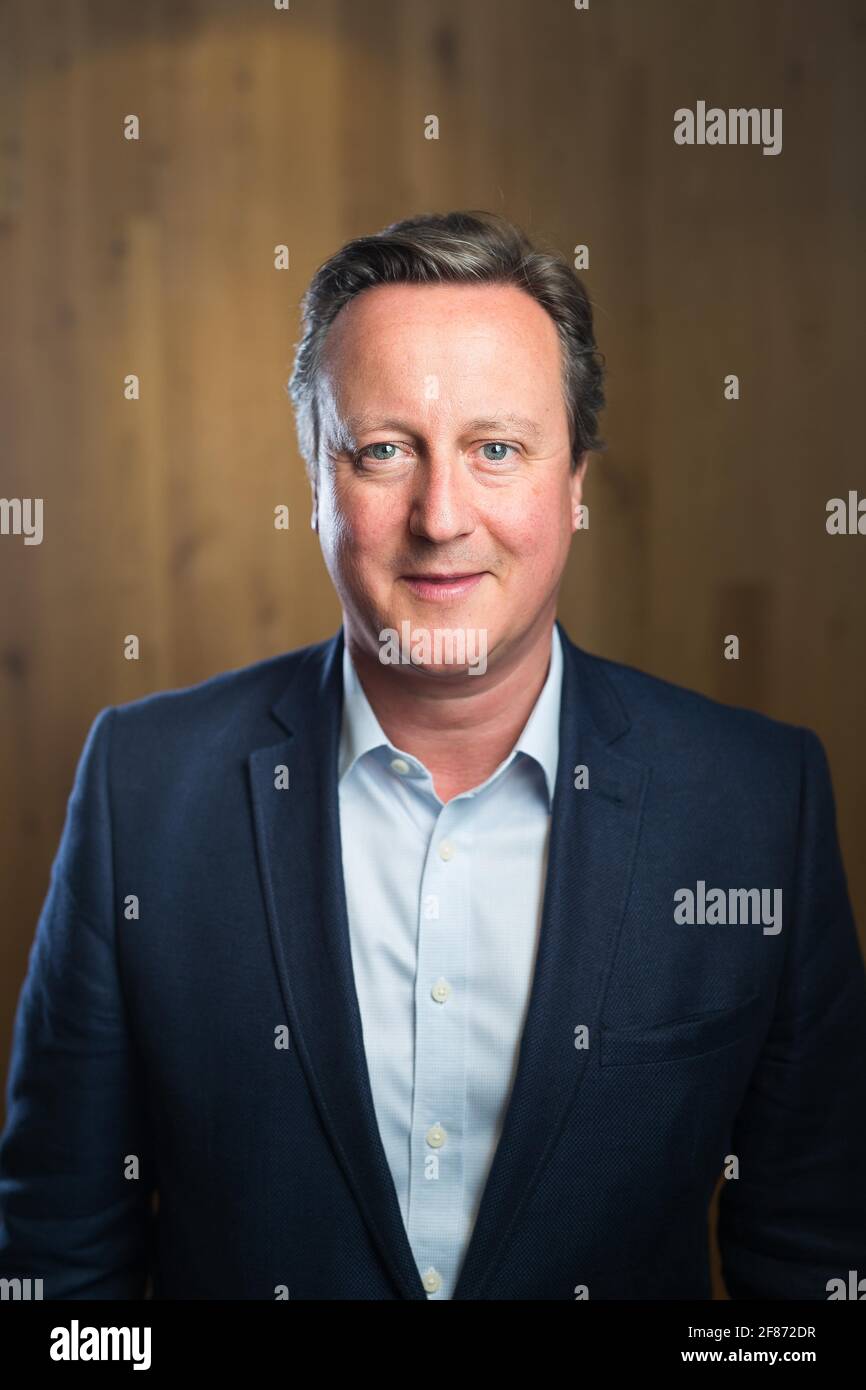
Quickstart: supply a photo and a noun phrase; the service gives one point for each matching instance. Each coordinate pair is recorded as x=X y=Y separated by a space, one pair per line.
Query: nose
x=441 y=506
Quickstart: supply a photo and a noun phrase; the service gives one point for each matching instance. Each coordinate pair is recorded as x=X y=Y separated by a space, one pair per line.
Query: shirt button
x=436 y=1136
x=400 y=766
x=432 y=1280
x=441 y=991
x=446 y=850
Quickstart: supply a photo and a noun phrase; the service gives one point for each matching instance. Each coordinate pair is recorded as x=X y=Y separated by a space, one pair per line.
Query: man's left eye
x=497 y=445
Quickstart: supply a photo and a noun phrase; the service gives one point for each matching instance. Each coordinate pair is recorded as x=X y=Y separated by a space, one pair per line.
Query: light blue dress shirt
x=444 y=905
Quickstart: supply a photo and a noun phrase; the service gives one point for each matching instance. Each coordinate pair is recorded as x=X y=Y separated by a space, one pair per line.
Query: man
x=441 y=959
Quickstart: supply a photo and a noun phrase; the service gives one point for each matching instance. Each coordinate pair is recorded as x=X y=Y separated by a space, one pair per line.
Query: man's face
x=445 y=451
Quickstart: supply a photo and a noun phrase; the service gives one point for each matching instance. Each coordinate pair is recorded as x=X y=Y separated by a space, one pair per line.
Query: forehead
x=470 y=339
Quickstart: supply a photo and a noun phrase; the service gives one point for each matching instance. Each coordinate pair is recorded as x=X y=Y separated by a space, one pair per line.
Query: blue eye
x=497 y=445
x=381 y=458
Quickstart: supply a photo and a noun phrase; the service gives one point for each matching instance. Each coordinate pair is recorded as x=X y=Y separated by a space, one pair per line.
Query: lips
x=435 y=587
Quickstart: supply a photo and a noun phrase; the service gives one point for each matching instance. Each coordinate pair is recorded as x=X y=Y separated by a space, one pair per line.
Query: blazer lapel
x=590 y=864
x=593 y=838
x=298 y=838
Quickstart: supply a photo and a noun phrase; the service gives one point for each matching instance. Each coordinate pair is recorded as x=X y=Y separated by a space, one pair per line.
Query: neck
x=460 y=729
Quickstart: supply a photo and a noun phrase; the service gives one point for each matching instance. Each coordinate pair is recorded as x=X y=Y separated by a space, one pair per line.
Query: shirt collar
x=361 y=731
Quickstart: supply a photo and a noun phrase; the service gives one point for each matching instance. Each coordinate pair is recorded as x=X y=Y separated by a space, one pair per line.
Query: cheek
x=354 y=509
x=364 y=523
x=536 y=532
x=373 y=522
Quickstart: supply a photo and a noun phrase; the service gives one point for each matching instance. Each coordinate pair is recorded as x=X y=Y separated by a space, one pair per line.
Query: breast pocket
x=677 y=1039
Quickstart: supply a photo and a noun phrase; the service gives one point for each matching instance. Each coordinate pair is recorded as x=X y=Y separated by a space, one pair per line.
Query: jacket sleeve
x=796 y=1215
x=71 y=1213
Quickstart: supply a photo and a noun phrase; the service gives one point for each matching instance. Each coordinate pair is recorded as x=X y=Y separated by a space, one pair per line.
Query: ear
x=576 y=488
x=314 y=515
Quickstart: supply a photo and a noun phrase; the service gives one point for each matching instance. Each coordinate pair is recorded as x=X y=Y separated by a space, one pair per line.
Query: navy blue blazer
x=145 y=1053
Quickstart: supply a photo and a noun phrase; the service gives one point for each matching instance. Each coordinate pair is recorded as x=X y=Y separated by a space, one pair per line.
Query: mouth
x=442 y=586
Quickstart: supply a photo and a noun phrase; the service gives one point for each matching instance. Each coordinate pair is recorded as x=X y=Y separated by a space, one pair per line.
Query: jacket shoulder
x=684 y=723
x=236 y=700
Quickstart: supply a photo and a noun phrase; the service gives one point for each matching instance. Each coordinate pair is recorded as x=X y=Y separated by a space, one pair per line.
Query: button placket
x=436 y=1167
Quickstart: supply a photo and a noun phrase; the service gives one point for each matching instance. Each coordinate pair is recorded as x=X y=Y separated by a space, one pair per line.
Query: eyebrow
x=491 y=424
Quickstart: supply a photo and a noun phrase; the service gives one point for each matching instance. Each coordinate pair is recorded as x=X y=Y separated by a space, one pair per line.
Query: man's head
x=446 y=391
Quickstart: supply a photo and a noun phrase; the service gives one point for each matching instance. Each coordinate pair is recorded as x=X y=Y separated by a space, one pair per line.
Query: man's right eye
x=377 y=458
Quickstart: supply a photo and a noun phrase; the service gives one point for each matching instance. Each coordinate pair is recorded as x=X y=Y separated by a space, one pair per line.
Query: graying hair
x=454 y=248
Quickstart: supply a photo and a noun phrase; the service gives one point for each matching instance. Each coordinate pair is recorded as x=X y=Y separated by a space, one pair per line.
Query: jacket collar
x=319 y=677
